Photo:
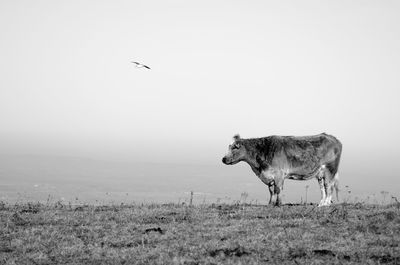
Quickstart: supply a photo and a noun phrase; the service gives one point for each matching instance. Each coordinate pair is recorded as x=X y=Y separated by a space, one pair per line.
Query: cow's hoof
x=325 y=203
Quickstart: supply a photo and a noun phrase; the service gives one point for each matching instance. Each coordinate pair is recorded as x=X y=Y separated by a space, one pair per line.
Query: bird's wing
x=145 y=66
x=135 y=62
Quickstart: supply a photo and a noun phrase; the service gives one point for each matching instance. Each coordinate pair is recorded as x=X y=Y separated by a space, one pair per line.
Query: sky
x=258 y=68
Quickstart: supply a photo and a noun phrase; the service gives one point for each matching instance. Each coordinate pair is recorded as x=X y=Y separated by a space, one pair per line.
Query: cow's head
x=236 y=152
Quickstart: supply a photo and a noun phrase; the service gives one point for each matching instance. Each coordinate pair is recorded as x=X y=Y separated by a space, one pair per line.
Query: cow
x=276 y=158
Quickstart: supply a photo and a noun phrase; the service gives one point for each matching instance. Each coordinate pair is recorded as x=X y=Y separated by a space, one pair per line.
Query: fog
x=68 y=90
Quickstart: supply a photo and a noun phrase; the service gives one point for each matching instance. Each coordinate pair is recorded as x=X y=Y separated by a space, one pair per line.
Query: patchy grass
x=205 y=234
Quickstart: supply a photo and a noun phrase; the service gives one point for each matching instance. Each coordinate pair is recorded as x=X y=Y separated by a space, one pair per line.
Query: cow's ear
x=236 y=137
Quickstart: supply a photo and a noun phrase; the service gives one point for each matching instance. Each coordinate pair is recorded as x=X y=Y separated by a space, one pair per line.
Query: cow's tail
x=335 y=167
x=336 y=185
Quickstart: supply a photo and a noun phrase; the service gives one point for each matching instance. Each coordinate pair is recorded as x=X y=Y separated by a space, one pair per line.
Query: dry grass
x=205 y=234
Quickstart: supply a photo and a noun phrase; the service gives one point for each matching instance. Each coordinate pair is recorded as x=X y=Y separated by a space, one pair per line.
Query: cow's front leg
x=271 y=188
x=278 y=197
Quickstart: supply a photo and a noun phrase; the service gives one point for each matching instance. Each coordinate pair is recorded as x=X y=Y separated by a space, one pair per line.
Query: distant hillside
x=87 y=178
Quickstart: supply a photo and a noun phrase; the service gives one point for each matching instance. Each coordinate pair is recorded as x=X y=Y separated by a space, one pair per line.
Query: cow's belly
x=280 y=173
x=300 y=177
x=302 y=174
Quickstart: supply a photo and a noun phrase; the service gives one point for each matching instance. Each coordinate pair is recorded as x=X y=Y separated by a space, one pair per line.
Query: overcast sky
x=257 y=68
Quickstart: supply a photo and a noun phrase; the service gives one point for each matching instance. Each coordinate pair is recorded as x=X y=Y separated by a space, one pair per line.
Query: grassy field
x=203 y=234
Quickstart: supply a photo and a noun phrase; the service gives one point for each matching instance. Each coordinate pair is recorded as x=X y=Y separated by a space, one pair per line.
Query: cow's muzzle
x=226 y=161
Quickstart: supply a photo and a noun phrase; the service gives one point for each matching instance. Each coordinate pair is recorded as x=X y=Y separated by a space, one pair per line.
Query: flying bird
x=140 y=65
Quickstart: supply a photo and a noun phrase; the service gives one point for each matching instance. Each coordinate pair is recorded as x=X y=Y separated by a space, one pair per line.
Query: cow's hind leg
x=328 y=189
x=330 y=184
x=321 y=183
x=331 y=178
x=326 y=184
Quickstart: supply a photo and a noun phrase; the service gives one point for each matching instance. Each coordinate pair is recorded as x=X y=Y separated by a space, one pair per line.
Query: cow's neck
x=252 y=160
x=255 y=166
